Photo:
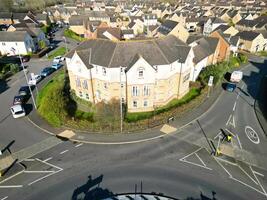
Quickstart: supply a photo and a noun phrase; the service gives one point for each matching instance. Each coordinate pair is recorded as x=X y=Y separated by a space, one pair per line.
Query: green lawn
x=70 y=34
x=58 y=52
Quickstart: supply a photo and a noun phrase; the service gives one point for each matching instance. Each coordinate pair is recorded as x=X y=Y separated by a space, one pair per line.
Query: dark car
x=230 y=87
x=24 y=91
x=25 y=58
x=19 y=100
x=47 y=71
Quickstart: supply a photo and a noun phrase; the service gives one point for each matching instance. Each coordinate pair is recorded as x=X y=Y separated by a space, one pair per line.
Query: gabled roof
x=222 y=27
x=16 y=36
x=167 y=26
x=77 y=20
x=114 y=54
x=248 y=35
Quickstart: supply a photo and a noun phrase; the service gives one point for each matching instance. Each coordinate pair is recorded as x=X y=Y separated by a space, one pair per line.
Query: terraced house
x=144 y=74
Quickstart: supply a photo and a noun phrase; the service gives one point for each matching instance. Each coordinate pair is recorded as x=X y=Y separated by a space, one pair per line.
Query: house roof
x=116 y=32
x=167 y=26
x=248 y=35
x=206 y=46
x=127 y=31
x=222 y=27
x=16 y=36
x=77 y=20
x=114 y=54
x=234 y=40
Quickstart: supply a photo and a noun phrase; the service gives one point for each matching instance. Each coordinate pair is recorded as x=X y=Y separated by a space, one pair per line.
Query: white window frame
x=85 y=84
x=78 y=81
x=141 y=70
x=135 y=91
x=135 y=104
x=146 y=90
x=145 y=103
x=104 y=71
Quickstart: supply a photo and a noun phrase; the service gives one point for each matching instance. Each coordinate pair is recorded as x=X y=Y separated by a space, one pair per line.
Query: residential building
x=211 y=24
x=145 y=74
x=252 y=41
x=18 y=42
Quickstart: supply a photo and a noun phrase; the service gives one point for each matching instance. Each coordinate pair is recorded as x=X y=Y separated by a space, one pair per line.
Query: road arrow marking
x=231 y=121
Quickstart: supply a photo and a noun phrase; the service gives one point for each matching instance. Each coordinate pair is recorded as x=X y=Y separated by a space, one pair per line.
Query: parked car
x=58 y=59
x=56 y=66
x=47 y=71
x=236 y=76
x=19 y=100
x=37 y=79
x=17 y=111
x=24 y=91
x=230 y=87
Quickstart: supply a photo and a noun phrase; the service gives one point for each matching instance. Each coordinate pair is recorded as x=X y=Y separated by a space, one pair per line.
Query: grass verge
x=58 y=52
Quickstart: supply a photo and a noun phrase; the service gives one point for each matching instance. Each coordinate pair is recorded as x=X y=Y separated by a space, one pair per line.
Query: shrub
x=52 y=101
x=133 y=117
x=84 y=115
x=14 y=68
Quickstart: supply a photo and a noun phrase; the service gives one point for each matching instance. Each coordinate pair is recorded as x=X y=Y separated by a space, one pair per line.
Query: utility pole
x=121 y=69
x=212 y=150
x=23 y=68
x=179 y=83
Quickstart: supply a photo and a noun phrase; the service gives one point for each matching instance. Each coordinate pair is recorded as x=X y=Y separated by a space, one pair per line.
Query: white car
x=37 y=79
x=58 y=59
x=17 y=111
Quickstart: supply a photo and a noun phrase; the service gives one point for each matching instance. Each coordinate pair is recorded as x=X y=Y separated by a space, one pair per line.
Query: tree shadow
x=91 y=190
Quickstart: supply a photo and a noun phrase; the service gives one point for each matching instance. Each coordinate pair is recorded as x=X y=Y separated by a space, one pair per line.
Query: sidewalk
x=133 y=137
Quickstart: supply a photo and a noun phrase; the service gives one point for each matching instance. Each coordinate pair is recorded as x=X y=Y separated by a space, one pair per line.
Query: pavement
x=179 y=164
x=125 y=137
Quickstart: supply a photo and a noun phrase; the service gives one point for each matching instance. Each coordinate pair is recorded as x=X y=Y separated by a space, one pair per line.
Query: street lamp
x=65 y=40
x=23 y=68
x=121 y=70
x=179 y=83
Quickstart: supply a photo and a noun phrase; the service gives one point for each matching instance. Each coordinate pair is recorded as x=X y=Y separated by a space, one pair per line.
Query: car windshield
x=19 y=112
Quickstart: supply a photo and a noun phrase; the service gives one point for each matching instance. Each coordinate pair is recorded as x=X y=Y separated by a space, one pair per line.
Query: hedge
x=133 y=117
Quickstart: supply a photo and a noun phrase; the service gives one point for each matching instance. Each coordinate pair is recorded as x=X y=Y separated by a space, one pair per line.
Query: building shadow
x=91 y=190
x=204 y=197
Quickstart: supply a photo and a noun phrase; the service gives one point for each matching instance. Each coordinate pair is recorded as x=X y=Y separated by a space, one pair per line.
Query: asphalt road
x=179 y=165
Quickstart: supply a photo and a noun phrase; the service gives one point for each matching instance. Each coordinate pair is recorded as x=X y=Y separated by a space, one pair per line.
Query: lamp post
x=65 y=40
x=121 y=99
x=23 y=68
x=179 y=83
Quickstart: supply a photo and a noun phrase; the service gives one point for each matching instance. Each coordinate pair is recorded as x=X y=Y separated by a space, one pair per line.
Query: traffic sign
x=210 y=83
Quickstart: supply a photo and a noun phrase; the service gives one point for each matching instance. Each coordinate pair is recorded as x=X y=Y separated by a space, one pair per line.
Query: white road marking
x=4 y=198
x=245 y=184
x=240 y=145
x=11 y=177
x=248 y=175
x=194 y=152
x=64 y=151
x=234 y=135
x=234 y=106
x=78 y=145
x=39 y=179
x=218 y=135
x=48 y=159
x=32 y=172
x=53 y=172
x=229 y=121
x=254 y=172
x=29 y=159
x=201 y=160
x=11 y=186
x=49 y=164
x=258 y=173
x=223 y=167
x=252 y=135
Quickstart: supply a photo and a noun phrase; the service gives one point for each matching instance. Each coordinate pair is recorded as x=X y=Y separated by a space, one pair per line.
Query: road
x=178 y=165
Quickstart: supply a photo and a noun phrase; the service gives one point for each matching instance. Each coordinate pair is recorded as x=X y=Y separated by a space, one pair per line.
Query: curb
x=134 y=141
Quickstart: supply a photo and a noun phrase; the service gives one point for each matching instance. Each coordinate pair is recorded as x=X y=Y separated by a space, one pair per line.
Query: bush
x=42 y=44
x=133 y=117
x=52 y=101
x=84 y=115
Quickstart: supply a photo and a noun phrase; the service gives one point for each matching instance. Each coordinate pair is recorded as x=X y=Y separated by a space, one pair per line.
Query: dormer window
x=140 y=73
